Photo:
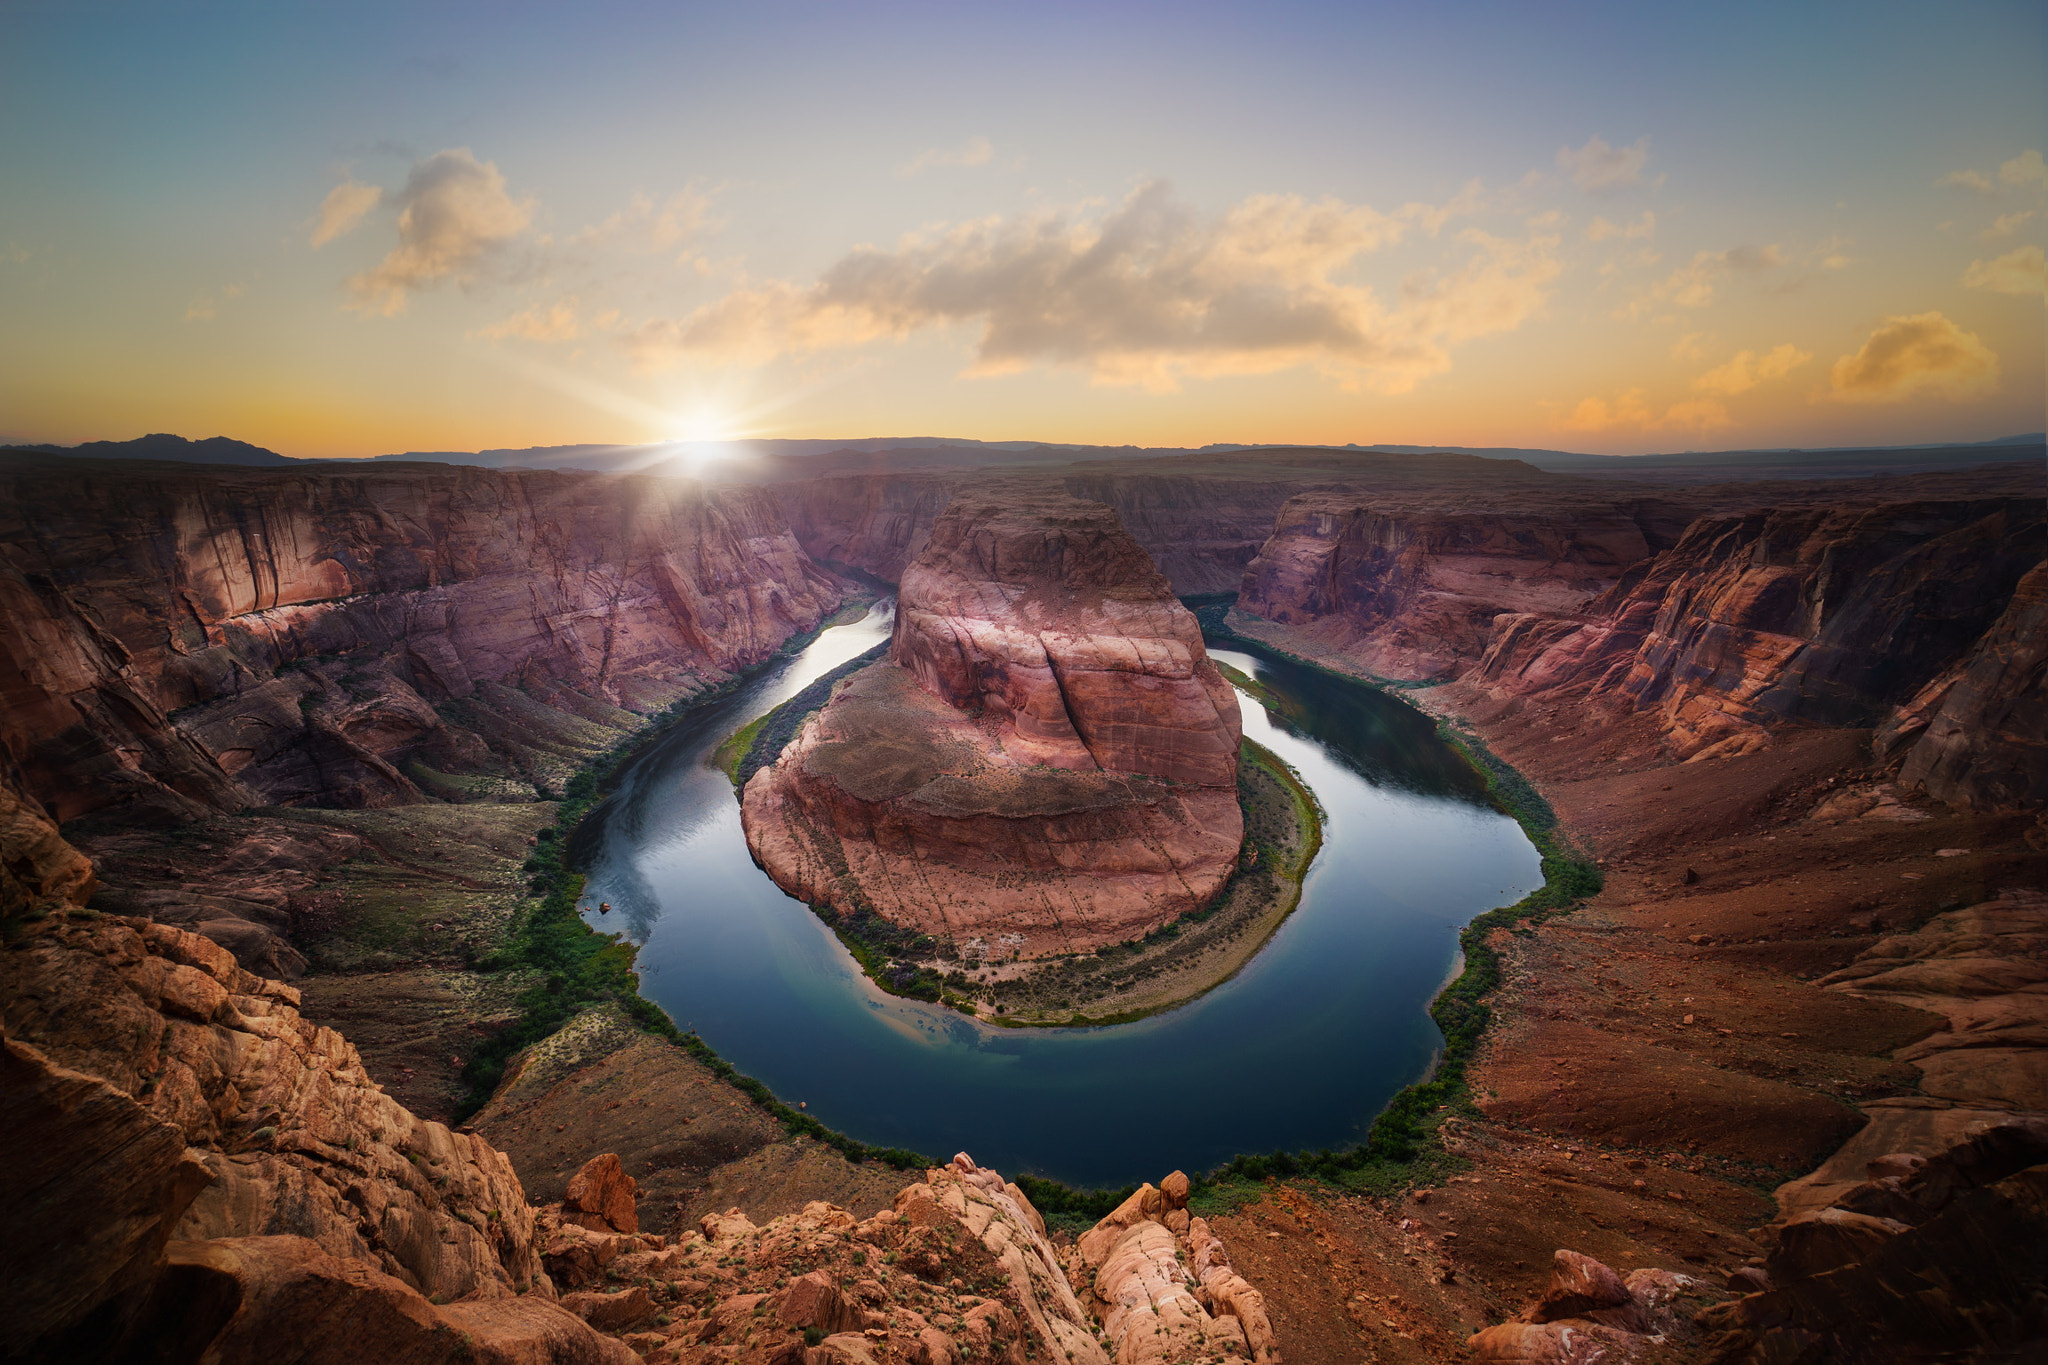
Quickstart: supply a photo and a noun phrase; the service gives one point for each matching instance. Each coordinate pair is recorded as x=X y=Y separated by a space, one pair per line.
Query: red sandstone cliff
x=237 y=637
x=1824 y=617
x=1046 y=763
x=1409 y=586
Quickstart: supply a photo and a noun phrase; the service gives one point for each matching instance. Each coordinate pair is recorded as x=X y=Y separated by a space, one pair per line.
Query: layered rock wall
x=1822 y=617
x=225 y=638
x=1410 y=589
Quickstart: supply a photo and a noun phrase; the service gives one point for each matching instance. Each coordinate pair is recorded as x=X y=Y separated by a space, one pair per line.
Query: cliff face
x=235 y=638
x=1041 y=612
x=1046 y=763
x=1802 y=615
x=1409 y=588
x=1977 y=736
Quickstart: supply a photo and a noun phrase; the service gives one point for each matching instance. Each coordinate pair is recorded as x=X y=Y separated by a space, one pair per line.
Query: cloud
x=1924 y=353
x=205 y=308
x=2004 y=225
x=453 y=215
x=1969 y=180
x=1693 y=284
x=1745 y=370
x=643 y=224
x=1601 y=230
x=1145 y=294
x=2018 y=271
x=1631 y=409
x=342 y=209
x=979 y=151
x=554 y=322
x=1597 y=166
x=1688 y=347
x=2025 y=169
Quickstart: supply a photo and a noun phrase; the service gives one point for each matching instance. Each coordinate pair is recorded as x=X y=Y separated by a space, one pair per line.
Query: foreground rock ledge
x=1045 y=763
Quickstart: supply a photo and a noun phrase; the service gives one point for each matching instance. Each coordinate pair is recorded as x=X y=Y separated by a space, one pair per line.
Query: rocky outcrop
x=1046 y=763
x=958 y=1271
x=224 y=638
x=203 y=1165
x=601 y=1197
x=1590 y=1313
x=1822 y=617
x=38 y=869
x=1162 y=1284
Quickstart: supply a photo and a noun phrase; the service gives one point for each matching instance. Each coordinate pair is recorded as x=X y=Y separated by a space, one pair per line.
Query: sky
x=353 y=230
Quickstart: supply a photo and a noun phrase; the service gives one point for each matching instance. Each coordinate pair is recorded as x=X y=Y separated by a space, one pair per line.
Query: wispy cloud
x=978 y=151
x=2019 y=271
x=2025 y=169
x=1597 y=166
x=1694 y=284
x=454 y=214
x=1147 y=294
x=1907 y=356
x=207 y=307
x=1633 y=408
x=556 y=321
x=2021 y=171
x=1600 y=230
x=1968 y=180
x=1745 y=370
x=342 y=209
x=2005 y=225
x=658 y=226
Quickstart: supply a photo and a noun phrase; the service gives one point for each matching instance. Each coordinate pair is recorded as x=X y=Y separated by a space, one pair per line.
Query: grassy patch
x=733 y=752
x=758 y=745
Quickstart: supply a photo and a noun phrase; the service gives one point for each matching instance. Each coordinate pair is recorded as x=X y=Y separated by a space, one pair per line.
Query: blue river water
x=1300 y=1050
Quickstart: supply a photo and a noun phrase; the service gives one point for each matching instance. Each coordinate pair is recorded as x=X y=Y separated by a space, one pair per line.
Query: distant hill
x=776 y=461
x=164 y=446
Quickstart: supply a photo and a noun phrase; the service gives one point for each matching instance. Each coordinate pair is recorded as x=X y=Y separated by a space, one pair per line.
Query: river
x=1300 y=1050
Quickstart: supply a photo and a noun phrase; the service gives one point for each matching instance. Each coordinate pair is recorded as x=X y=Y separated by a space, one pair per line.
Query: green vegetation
x=737 y=745
x=758 y=744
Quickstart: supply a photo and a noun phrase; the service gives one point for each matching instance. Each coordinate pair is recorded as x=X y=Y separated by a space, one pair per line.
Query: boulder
x=601 y=1197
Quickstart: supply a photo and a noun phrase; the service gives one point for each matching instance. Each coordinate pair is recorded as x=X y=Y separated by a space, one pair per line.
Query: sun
x=704 y=425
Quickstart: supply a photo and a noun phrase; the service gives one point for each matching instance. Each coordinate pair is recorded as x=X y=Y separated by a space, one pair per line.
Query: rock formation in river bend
x=1046 y=762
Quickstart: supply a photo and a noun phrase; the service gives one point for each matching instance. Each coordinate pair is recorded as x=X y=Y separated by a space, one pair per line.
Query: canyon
x=273 y=727
x=1045 y=763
